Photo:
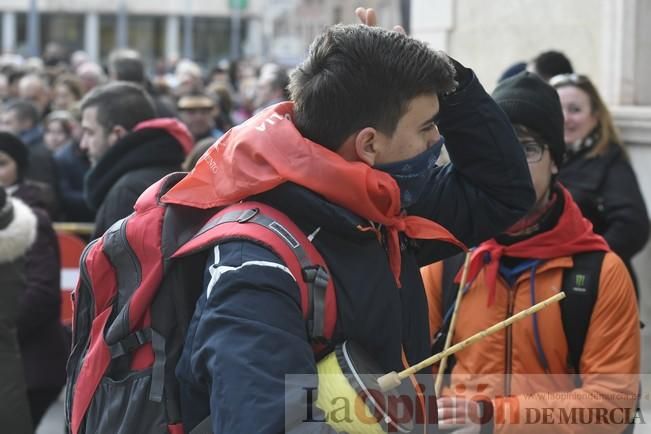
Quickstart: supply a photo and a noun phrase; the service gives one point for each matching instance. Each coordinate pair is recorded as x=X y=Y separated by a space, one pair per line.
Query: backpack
x=138 y=287
x=581 y=285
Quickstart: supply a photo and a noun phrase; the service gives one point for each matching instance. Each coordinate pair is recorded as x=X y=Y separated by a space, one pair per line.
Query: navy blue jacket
x=247 y=331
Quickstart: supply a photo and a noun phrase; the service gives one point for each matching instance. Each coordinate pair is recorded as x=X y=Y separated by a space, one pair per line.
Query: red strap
x=272 y=240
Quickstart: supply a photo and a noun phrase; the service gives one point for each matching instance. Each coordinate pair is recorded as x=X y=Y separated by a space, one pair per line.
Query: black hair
x=357 y=76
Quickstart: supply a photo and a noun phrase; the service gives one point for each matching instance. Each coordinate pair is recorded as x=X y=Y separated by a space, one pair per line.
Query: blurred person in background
x=128 y=147
x=40 y=333
x=597 y=171
x=35 y=89
x=67 y=92
x=512 y=70
x=91 y=75
x=21 y=118
x=71 y=163
x=271 y=87
x=198 y=111
x=17 y=234
x=77 y=58
x=188 y=78
x=196 y=153
x=224 y=119
x=127 y=65
x=58 y=130
x=4 y=88
x=14 y=76
x=247 y=79
x=550 y=63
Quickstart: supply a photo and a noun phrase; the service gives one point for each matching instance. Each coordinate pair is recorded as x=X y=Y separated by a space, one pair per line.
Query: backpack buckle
x=247 y=215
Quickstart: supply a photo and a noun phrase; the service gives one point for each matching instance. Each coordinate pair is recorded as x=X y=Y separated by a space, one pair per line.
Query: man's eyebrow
x=430 y=120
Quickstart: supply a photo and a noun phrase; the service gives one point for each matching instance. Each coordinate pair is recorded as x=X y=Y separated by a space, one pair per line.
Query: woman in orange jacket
x=521 y=379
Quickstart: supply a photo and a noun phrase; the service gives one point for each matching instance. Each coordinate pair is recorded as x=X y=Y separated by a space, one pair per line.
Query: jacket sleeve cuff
x=464 y=78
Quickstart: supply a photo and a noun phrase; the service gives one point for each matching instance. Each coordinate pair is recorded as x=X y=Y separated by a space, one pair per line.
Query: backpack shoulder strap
x=451 y=267
x=581 y=286
x=265 y=225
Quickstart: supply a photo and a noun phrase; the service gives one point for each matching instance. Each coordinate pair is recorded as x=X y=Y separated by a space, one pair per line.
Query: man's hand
x=459 y=415
x=368 y=17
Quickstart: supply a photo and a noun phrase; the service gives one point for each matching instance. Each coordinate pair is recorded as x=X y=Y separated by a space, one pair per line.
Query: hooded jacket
x=154 y=149
x=247 y=331
x=40 y=333
x=17 y=234
x=524 y=368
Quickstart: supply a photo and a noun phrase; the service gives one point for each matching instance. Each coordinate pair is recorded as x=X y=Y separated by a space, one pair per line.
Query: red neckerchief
x=268 y=150
x=572 y=234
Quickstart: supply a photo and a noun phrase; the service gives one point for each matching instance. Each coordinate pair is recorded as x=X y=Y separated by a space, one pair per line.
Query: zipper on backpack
x=85 y=286
x=129 y=249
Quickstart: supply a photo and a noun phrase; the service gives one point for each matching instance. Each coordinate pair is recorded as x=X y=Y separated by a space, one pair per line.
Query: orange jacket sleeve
x=432 y=276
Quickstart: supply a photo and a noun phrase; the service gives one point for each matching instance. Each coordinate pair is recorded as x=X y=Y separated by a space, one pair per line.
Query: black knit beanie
x=528 y=100
x=17 y=150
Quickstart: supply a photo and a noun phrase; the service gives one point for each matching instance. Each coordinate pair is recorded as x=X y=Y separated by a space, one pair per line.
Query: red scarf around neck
x=268 y=150
x=572 y=234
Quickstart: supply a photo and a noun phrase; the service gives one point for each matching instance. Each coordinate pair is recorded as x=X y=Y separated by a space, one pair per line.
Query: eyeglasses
x=563 y=79
x=533 y=150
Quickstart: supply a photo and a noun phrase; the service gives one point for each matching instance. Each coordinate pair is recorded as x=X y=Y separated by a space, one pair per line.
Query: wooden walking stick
x=393 y=379
x=453 y=321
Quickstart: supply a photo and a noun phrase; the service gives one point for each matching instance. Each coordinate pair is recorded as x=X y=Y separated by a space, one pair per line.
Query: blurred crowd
x=41 y=104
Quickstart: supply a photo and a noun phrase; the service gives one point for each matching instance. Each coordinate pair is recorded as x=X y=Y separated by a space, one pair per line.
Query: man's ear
x=554 y=169
x=120 y=131
x=117 y=132
x=366 y=145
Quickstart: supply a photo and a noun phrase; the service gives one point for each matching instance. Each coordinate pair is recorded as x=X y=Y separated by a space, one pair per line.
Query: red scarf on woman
x=572 y=234
x=268 y=150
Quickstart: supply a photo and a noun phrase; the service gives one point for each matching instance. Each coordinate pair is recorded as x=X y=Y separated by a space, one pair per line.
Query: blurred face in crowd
x=64 y=99
x=8 y=170
x=95 y=141
x=200 y=121
x=580 y=117
x=33 y=90
x=55 y=135
x=4 y=87
x=9 y=122
x=265 y=94
x=415 y=132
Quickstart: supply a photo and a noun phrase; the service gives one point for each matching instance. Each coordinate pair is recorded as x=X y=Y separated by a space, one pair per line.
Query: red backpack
x=136 y=294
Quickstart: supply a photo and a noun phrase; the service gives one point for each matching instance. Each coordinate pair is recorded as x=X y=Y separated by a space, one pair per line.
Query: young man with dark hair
x=129 y=149
x=351 y=161
x=588 y=345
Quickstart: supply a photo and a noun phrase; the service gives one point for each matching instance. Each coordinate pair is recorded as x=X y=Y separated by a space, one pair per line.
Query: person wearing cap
x=525 y=367
x=199 y=113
